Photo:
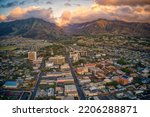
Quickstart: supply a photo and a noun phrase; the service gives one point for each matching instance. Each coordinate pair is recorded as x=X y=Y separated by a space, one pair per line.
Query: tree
x=122 y=61
x=126 y=70
x=113 y=83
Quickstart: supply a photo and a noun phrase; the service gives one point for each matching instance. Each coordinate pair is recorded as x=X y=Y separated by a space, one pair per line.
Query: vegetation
x=81 y=61
x=52 y=50
x=7 y=47
x=126 y=70
x=113 y=83
x=122 y=61
x=47 y=86
x=139 y=64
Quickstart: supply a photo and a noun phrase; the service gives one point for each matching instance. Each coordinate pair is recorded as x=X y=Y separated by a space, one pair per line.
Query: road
x=39 y=77
x=76 y=81
x=25 y=96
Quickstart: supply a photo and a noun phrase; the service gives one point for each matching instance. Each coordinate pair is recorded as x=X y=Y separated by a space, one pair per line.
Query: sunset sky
x=65 y=12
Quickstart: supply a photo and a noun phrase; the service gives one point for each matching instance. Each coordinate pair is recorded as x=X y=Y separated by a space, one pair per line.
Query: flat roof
x=70 y=87
x=10 y=83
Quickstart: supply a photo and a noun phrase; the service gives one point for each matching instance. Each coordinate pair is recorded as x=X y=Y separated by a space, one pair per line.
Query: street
x=76 y=81
x=39 y=77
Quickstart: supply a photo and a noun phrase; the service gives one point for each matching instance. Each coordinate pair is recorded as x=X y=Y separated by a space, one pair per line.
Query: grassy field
x=7 y=48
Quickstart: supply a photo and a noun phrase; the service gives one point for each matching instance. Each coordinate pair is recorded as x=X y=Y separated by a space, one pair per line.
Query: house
x=123 y=80
x=81 y=70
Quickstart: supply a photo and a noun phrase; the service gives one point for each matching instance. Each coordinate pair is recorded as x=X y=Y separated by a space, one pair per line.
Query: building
x=84 y=80
x=32 y=56
x=49 y=64
x=81 y=70
x=50 y=92
x=82 y=53
x=68 y=98
x=57 y=74
x=59 y=91
x=95 y=70
x=64 y=67
x=123 y=80
x=68 y=79
x=57 y=60
x=90 y=65
x=75 y=56
x=11 y=84
x=145 y=72
x=70 y=90
x=88 y=93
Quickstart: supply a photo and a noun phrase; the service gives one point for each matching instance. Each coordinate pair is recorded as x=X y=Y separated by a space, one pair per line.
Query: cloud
x=19 y=13
x=67 y=4
x=35 y=0
x=48 y=2
x=123 y=2
x=86 y=14
x=78 y=5
x=64 y=19
x=81 y=14
x=30 y=12
x=9 y=4
x=2 y=18
x=22 y=2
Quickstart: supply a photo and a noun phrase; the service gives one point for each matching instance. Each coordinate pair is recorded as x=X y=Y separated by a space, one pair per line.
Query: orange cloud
x=64 y=19
x=96 y=11
x=123 y=2
x=2 y=18
x=83 y=14
x=32 y=11
x=18 y=12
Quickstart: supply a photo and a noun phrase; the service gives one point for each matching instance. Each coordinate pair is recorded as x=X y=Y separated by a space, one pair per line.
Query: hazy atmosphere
x=64 y=12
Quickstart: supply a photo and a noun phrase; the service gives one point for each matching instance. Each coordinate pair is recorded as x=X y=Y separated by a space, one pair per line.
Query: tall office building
x=32 y=55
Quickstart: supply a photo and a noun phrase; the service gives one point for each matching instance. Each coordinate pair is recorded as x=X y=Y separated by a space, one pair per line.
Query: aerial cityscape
x=74 y=50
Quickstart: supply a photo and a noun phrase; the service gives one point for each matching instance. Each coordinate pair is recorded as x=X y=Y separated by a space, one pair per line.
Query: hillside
x=31 y=28
x=40 y=29
x=107 y=27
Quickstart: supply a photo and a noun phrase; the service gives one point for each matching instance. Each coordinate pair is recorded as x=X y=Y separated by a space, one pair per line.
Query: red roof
x=90 y=65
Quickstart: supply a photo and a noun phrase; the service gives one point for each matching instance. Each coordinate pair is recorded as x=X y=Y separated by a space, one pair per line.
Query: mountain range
x=110 y=27
x=40 y=29
x=31 y=28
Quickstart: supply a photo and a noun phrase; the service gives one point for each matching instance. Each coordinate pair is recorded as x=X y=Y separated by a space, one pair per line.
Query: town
x=83 y=68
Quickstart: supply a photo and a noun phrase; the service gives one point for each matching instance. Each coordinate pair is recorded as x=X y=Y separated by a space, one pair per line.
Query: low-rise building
x=32 y=55
x=49 y=64
x=11 y=84
x=70 y=90
x=81 y=70
x=57 y=59
x=84 y=80
x=64 y=67
x=74 y=56
x=124 y=80
x=50 y=92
